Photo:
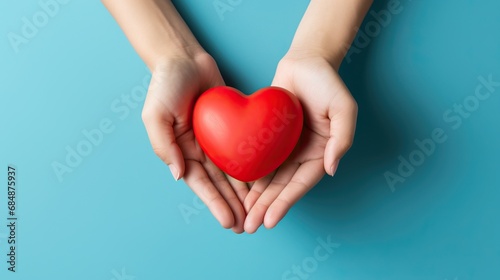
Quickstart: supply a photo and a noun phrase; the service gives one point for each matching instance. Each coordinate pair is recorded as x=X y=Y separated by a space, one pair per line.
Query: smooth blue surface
x=118 y=213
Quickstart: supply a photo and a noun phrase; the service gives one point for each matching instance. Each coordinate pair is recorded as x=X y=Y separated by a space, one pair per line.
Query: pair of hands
x=329 y=124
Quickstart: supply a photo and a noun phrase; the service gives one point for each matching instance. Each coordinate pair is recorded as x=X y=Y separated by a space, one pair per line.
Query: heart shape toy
x=247 y=137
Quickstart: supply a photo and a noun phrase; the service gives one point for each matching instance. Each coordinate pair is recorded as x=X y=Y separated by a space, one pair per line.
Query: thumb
x=161 y=134
x=159 y=118
x=342 y=115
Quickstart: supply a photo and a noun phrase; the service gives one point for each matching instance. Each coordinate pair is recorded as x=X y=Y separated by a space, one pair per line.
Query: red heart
x=247 y=137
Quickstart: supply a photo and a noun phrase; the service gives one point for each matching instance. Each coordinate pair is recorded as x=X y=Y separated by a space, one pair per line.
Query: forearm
x=154 y=28
x=328 y=28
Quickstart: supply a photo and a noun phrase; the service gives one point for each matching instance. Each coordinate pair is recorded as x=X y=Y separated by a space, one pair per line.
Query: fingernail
x=174 y=171
x=333 y=169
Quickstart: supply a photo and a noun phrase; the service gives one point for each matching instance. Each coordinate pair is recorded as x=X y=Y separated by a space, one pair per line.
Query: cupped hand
x=175 y=84
x=330 y=114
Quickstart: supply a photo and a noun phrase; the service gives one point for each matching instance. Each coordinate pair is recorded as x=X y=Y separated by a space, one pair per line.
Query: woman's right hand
x=182 y=70
x=176 y=83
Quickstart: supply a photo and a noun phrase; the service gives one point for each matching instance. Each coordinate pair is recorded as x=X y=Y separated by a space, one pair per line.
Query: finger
x=220 y=182
x=342 y=114
x=240 y=188
x=257 y=189
x=162 y=137
x=255 y=217
x=197 y=179
x=304 y=179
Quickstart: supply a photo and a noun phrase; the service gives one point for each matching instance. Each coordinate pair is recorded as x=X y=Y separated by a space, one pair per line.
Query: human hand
x=329 y=123
x=181 y=71
x=176 y=82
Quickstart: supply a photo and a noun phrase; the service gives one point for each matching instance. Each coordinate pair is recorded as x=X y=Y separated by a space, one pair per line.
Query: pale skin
x=182 y=70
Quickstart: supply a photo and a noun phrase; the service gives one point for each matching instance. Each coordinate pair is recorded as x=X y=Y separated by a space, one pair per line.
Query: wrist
x=176 y=50
x=154 y=28
x=300 y=52
x=328 y=28
x=171 y=39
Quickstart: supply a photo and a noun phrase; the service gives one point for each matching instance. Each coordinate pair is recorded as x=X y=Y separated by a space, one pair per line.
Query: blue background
x=117 y=215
